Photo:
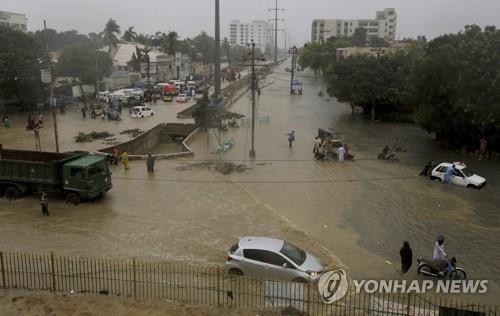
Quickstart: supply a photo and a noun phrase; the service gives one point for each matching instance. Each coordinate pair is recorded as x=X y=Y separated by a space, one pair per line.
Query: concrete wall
x=141 y=144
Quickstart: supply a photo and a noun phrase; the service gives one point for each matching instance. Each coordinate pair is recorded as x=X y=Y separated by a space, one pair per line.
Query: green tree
x=129 y=35
x=20 y=84
x=204 y=48
x=137 y=58
x=382 y=85
x=110 y=34
x=144 y=39
x=79 y=60
x=359 y=37
x=458 y=87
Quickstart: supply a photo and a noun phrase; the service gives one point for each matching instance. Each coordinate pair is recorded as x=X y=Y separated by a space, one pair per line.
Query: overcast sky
x=188 y=17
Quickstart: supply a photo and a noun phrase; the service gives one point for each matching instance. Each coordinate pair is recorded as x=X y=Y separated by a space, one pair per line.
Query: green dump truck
x=75 y=176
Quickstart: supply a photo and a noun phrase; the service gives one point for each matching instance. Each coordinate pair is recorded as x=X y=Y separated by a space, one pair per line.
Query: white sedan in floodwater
x=461 y=175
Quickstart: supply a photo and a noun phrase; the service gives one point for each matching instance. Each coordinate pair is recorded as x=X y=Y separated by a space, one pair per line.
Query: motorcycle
x=441 y=270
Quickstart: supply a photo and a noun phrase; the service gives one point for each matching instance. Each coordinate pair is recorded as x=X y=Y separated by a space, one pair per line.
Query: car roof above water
x=266 y=243
x=457 y=165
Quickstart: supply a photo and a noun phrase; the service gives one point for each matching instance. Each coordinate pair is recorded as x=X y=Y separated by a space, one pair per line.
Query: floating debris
x=132 y=132
x=82 y=137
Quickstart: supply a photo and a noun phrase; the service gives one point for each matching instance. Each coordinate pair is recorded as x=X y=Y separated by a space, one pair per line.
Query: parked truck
x=75 y=176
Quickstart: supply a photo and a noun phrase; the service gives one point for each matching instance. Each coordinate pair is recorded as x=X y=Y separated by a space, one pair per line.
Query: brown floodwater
x=354 y=214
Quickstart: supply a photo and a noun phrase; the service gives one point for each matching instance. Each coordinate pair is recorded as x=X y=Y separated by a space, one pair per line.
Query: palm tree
x=144 y=39
x=109 y=35
x=145 y=54
x=171 y=39
x=129 y=35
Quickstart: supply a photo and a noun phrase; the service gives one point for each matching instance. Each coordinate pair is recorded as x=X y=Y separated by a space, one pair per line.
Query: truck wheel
x=12 y=193
x=73 y=198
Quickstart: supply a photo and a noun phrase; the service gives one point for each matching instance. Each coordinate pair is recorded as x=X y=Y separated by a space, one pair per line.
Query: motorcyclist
x=439 y=255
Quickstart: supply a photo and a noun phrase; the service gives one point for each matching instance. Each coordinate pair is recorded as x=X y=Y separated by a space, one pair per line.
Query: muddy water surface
x=360 y=211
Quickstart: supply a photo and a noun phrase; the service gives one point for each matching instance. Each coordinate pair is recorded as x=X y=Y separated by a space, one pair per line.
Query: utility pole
x=96 y=75
x=373 y=109
x=285 y=42
x=254 y=88
x=217 y=90
x=294 y=52
x=276 y=9
x=51 y=88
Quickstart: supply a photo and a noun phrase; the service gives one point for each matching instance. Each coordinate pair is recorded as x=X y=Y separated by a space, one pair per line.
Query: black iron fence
x=187 y=284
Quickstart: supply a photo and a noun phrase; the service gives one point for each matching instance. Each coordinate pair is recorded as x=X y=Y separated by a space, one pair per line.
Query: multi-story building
x=383 y=26
x=15 y=21
x=258 y=31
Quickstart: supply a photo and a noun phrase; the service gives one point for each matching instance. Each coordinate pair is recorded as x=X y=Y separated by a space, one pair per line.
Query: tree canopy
x=110 y=34
x=21 y=58
x=79 y=60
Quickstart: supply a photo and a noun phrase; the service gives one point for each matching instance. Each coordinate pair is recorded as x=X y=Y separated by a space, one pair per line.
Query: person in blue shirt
x=448 y=174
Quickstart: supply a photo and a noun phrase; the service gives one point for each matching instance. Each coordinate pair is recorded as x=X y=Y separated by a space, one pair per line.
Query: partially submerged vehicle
x=460 y=175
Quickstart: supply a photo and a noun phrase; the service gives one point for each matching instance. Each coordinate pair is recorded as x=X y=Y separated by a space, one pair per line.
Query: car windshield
x=467 y=172
x=297 y=255
x=135 y=110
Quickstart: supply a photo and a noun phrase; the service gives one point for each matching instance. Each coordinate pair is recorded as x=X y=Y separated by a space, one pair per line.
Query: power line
x=276 y=9
x=267 y=181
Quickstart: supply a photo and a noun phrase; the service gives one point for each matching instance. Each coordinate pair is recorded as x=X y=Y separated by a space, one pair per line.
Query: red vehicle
x=170 y=89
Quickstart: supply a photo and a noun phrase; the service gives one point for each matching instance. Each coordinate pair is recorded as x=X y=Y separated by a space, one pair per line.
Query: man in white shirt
x=341 y=153
x=439 y=253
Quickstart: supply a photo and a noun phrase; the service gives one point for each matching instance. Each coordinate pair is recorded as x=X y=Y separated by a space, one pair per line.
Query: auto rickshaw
x=168 y=98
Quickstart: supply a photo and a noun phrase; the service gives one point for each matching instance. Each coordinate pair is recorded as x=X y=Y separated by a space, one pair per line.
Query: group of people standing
x=321 y=151
x=116 y=157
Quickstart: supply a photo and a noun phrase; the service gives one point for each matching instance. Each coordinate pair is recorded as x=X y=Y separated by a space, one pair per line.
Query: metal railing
x=188 y=284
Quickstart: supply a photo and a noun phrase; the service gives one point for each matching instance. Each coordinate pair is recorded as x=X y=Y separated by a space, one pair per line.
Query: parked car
x=141 y=111
x=461 y=175
x=273 y=259
x=182 y=98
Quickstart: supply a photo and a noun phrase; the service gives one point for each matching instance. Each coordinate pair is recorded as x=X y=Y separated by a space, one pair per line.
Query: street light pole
x=217 y=90
x=51 y=89
x=252 y=150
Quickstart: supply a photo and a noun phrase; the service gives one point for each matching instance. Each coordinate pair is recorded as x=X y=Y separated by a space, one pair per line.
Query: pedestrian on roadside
x=482 y=147
x=291 y=138
x=84 y=111
x=5 y=121
x=346 y=148
x=317 y=142
x=40 y=118
x=406 y=257
x=150 y=163
x=44 y=202
x=38 y=145
x=341 y=153
x=116 y=156
x=125 y=160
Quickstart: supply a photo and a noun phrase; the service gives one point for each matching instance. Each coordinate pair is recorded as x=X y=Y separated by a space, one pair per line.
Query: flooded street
x=354 y=214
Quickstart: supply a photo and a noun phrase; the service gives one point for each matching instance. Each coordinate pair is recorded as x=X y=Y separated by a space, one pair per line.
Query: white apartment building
x=261 y=32
x=383 y=26
x=15 y=21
